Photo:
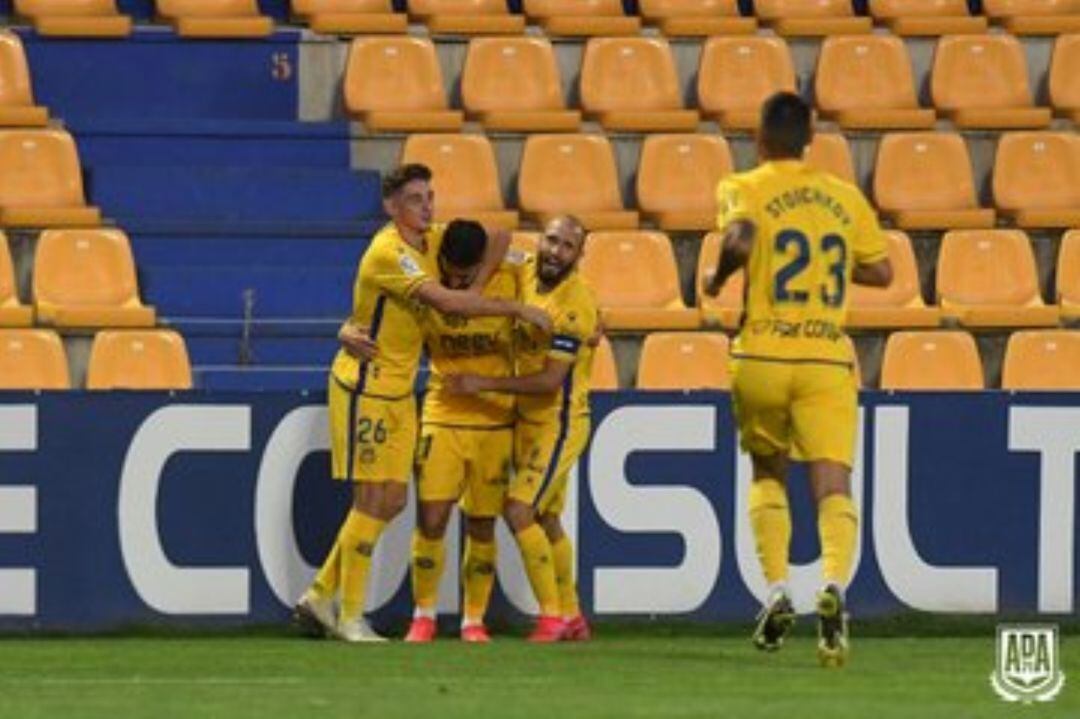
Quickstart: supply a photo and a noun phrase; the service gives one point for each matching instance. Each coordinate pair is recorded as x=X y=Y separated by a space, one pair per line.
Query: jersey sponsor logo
x=807 y=329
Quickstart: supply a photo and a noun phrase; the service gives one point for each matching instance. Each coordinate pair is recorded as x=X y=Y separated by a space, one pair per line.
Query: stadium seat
x=605 y=373
x=1042 y=360
x=830 y=152
x=17 y=106
x=1036 y=179
x=636 y=281
x=865 y=82
x=216 y=18
x=41 y=181
x=726 y=308
x=923 y=181
x=74 y=18
x=932 y=360
x=696 y=18
x=525 y=240
x=513 y=85
x=32 y=360
x=1068 y=276
x=464 y=177
x=350 y=17
x=987 y=278
x=901 y=303
x=797 y=18
x=632 y=84
x=12 y=312
x=1035 y=17
x=138 y=359
x=981 y=82
x=576 y=174
x=736 y=74
x=684 y=360
x=467 y=17
x=926 y=17
x=395 y=84
x=1064 y=79
x=578 y=18
x=677 y=177
x=86 y=279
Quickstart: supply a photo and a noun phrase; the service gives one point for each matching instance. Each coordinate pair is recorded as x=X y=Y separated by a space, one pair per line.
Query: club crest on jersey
x=1028 y=668
x=409 y=265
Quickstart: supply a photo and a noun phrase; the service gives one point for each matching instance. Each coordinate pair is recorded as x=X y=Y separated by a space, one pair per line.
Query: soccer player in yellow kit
x=803 y=236
x=552 y=384
x=372 y=406
x=466 y=442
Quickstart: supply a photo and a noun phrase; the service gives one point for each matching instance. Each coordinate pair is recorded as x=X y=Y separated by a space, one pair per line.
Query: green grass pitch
x=626 y=672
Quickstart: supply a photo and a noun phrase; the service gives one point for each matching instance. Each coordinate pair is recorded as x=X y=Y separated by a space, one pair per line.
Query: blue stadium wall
x=212 y=508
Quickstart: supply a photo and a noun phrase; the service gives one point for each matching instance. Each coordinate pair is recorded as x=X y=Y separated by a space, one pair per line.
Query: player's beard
x=551 y=272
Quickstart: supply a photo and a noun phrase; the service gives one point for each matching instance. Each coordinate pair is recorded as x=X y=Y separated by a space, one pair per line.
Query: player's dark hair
x=785 y=125
x=463 y=244
x=402 y=176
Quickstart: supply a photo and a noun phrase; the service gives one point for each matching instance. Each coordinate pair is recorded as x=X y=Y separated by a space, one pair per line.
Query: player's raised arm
x=498 y=242
x=470 y=304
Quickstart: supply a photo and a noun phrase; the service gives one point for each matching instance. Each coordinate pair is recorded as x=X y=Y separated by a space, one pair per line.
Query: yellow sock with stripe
x=838 y=524
x=770 y=518
x=357 y=541
x=539 y=564
x=427 y=567
x=326 y=581
x=563 y=552
x=477 y=579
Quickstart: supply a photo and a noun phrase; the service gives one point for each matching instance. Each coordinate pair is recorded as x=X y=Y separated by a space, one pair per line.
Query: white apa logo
x=1028 y=666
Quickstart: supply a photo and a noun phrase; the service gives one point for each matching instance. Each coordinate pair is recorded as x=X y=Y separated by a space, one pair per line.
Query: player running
x=803 y=236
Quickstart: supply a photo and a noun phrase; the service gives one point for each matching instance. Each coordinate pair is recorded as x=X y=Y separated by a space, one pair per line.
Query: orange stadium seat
x=525 y=241
x=576 y=174
x=41 y=181
x=17 y=106
x=830 y=152
x=981 y=81
x=1064 y=80
x=1035 y=17
x=467 y=17
x=819 y=18
x=605 y=373
x=632 y=84
x=513 y=84
x=582 y=17
x=1037 y=179
x=350 y=17
x=684 y=360
x=737 y=74
x=696 y=18
x=1042 y=360
x=932 y=360
x=865 y=82
x=677 y=177
x=1068 y=276
x=138 y=359
x=86 y=278
x=926 y=17
x=923 y=181
x=32 y=360
x=901 y=303
x=395 y=83
x=216 y=18
x=12 y=312
x=464 y=177
x=726 y=308
x=74 y=18
x=636 y=281
x=987 y=278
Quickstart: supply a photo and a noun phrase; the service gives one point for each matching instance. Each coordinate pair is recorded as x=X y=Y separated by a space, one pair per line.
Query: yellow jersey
x=575 y=318
x=390 y=272
x=478 y=345
x=811 y=230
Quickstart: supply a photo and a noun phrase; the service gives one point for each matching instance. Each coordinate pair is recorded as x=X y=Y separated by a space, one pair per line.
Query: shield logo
x=1028 y=663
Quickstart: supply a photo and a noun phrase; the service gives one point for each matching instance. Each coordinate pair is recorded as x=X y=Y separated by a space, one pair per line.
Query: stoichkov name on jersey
x=1028 y=663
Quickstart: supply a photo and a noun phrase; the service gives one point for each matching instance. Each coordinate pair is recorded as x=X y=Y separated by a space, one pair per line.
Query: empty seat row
x=41 y=181
x=190 y=18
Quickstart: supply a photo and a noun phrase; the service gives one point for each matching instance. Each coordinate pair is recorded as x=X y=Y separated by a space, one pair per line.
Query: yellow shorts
x=543 y=457
x=802 y=409
x=472 y=465
x=371 y=439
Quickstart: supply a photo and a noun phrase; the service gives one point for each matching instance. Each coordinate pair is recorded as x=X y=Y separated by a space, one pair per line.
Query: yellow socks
x=477 y=579
x=427 y=567
x=770 y=518
x=563 y=552
x=356 y=541
x=837 y=527
x=540 y=567
x=326 y=581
